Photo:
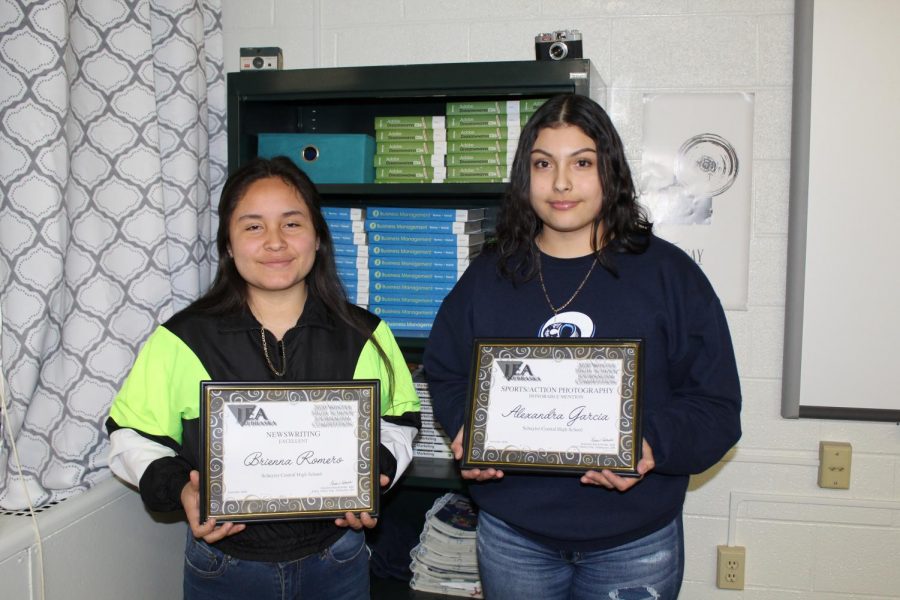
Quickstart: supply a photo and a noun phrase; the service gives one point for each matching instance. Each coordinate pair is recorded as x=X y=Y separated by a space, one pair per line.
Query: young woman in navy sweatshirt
x=575 y=257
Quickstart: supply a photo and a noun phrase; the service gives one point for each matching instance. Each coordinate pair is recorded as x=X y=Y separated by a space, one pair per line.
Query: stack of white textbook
x=444 y=562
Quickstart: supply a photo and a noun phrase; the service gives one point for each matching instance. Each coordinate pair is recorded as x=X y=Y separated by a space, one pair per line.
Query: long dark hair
x=623 y=223
x=228 y=292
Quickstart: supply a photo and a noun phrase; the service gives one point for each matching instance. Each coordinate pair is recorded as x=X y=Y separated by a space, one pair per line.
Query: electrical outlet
x=834 y=465
x=730 y=561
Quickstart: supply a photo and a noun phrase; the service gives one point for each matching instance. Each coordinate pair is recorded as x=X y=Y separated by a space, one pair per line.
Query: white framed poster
x=695 y=182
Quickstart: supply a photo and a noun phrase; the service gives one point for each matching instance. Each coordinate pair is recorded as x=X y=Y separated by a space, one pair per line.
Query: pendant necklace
x=280 y=343
x=556 y=310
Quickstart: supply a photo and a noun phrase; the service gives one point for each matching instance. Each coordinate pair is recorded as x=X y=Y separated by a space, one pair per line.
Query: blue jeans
x=516 y=568
x=341 y=571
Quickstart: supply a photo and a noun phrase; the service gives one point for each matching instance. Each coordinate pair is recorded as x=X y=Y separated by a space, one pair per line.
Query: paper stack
x=432 y=441
x=444 y=561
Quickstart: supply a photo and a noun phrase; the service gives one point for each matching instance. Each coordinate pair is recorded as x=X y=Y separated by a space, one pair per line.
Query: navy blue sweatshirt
x=691 y=393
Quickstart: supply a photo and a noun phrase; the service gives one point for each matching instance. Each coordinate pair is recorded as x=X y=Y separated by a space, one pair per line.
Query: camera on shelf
x=558 y=45
x=261 y=59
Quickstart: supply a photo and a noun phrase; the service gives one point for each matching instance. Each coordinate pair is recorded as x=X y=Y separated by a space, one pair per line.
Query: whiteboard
x=842 y=318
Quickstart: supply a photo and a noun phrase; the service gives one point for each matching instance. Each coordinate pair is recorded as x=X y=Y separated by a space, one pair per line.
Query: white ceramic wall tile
x=301 y=49
x=779 y=555
x=419 y=43
x=761 y=402
x=740 y=326
x=871 y=563
x=895 y=475
x=368 y=13
x=768 y=265
x=767 y=593
x=289 y=13
x=865 y=436
x=240 y=14
x=772 y=124
x=684 y=52
x=777 y=433
x=701 y=536
x=471 y=10
x=849 y=512
x=708 y=494
x=742 y=6
x=762 y=474
x=762 y=424
x=771 y=196
x=577 y=8
x=502 y=40
x=868 y=480
x=699 y=590
x=776 y=49
x=767 y=342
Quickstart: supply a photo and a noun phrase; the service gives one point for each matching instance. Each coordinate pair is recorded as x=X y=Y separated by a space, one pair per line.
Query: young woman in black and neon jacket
x=276 y=311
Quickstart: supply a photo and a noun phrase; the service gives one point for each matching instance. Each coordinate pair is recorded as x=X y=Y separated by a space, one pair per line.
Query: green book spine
x=422 y=173
x=410 y=135
x=469 y=171
x=494 y=107
x=410 y=122
x=411 y=148
x=529 y=105
x=479 y=158
x=476 y=180
x=476 y=145
x=483 y=107
x=408 y=180
x=482 y=133
x=408 y=160
x=498 y=120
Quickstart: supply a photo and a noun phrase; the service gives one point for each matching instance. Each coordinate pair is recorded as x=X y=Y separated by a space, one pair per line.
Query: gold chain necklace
x=262 y=336
x=569 y=301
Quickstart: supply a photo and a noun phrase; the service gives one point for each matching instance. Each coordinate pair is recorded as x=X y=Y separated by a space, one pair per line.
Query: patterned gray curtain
x=112 y=155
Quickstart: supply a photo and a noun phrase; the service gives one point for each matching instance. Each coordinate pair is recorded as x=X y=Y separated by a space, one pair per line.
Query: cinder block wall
x=803 y=542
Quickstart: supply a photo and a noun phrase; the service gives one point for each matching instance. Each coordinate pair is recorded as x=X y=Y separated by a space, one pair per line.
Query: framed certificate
x=554 y=405
x=278 y=450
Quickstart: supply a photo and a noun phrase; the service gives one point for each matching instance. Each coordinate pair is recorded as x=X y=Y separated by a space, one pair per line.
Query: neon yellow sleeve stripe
x=369 y=366
x=162 y=388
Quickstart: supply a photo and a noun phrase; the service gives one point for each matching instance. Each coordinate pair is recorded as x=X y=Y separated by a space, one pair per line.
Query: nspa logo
x=516 y=370
x=250 y=414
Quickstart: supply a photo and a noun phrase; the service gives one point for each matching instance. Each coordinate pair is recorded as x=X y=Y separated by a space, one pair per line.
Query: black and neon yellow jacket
x=154 y=420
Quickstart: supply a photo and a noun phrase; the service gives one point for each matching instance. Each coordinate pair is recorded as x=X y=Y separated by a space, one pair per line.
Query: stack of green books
x=410 y=149
x=482 y=137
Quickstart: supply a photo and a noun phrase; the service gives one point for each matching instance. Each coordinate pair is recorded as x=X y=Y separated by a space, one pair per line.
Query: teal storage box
x=325 y=157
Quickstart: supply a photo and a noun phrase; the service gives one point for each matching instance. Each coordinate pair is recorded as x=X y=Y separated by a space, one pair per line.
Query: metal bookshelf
x=347 y=100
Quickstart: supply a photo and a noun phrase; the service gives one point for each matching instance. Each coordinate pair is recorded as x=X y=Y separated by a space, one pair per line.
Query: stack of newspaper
x=444 y=561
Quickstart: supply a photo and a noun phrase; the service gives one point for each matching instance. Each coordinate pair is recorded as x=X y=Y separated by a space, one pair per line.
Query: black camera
x=558 y=45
